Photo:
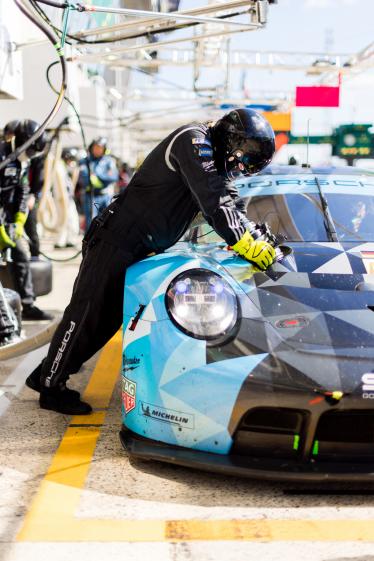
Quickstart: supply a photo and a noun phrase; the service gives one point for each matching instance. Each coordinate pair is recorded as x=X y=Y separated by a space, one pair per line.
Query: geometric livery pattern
x=305 y=326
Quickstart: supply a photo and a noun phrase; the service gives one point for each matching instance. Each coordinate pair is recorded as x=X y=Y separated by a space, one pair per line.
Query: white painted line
x=18 y=376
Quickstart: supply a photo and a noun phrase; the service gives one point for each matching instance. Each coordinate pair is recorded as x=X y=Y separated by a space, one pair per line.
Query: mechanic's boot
x=31 y=312
x=33 y=382
x=63 y=401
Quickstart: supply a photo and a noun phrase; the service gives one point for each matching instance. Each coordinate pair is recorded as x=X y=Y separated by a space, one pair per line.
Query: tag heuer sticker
x=128 y=394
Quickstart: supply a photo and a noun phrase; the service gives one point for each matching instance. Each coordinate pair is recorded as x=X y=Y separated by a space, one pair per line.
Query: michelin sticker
x=156 y=413
x=128 y=394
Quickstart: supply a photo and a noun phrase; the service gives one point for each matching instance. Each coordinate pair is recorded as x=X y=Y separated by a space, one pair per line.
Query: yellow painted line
x=51 y=517
x=60 y=490
x=68 y=529
x=271 y=530
x=96 y=418
x=100 y=387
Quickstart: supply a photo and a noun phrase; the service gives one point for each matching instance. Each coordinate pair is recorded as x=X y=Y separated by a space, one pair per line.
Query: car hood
x=321 y=296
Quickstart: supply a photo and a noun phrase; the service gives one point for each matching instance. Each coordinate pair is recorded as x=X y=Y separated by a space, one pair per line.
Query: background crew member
x=69 y=230
x=102 y=178
x=14 y=191
x=188 y=171
x=36 y=179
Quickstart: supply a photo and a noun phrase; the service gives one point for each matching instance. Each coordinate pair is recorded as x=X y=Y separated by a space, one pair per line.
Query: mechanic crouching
x=189 y=171
x=14 y=191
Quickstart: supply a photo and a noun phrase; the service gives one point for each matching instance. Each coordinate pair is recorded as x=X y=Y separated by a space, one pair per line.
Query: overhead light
x=115 y=93
x=112 y=57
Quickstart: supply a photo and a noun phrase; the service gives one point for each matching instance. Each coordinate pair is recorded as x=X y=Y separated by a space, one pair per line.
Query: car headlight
x=202 y=304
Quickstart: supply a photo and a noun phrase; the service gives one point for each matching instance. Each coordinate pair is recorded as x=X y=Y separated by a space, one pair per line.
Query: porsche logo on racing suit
x=128 y=394
x=60 y=353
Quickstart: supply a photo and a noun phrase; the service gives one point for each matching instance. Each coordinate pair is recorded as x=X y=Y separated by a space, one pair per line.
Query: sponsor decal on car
x=157 y=413
x=132 y=361
x=128 y=394
x=368 y=385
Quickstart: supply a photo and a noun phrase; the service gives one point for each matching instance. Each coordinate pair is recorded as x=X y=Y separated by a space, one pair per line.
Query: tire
x=14 y=301
x=41 y=272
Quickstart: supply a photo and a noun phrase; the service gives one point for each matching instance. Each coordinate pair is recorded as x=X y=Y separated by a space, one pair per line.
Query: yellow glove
x=19 y=222
x=5 y=240
x=95 y=181
x=259 y=252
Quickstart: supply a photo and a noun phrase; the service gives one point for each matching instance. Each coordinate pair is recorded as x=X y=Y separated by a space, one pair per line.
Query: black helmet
x=100 y=141
x=69 y=154
x=243 y=141
x=23 y=131
x=10 y=128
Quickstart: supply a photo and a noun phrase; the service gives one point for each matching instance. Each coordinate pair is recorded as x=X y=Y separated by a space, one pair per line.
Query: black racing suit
x=14 y=192
x=36 y=180
x=177 y=180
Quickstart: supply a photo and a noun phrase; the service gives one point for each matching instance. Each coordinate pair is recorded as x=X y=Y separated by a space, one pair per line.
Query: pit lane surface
x=68 y=490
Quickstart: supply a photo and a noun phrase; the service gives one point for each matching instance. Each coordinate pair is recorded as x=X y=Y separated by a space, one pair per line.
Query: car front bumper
x=270 y=469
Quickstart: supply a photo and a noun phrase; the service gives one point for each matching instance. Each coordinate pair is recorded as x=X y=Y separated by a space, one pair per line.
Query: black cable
x=14 y=155
x=69 y=102
x=61 y=260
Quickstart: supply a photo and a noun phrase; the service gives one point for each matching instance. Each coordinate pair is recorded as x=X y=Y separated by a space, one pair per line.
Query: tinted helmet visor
x=239 y=164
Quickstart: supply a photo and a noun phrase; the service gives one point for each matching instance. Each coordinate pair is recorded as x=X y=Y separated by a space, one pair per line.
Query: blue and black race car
x=263 y=374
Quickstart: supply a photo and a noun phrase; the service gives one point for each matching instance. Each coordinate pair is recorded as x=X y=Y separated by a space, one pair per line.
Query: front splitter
x=241 y=466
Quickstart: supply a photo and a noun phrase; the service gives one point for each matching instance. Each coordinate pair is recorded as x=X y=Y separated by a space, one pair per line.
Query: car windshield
x=291 y=204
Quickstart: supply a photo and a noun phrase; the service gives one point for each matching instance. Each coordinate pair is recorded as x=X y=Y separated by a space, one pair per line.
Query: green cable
x=65 y=20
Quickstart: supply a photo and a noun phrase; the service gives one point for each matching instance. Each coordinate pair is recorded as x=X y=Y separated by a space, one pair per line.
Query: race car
x=268 y=374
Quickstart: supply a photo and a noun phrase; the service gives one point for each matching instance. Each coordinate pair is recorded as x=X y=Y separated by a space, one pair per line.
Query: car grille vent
x=345 y=436
x=270 y=432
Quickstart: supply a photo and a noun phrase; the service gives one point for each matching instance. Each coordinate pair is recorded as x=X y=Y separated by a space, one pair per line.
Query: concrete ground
x=69 y=491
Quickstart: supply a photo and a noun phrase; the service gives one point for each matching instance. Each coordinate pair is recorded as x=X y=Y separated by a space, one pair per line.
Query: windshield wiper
x=327 y=218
